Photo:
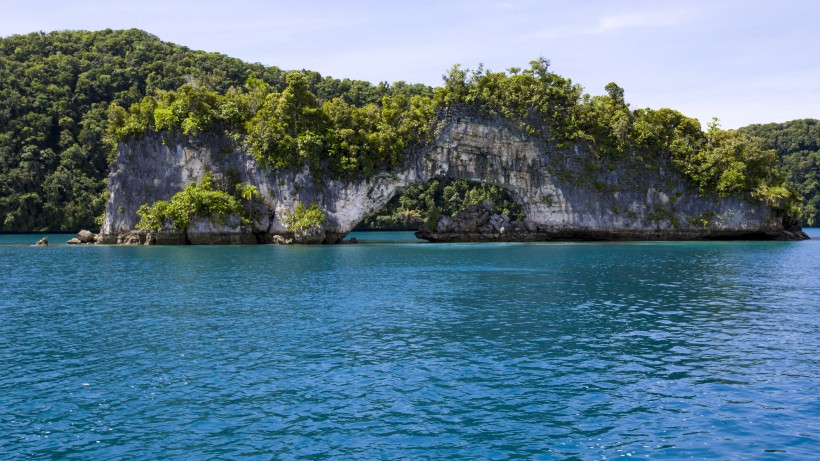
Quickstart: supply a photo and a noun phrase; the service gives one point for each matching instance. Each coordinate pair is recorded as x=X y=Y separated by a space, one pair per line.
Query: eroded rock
x=86 y=236
x=281 y=240
x=565 y=192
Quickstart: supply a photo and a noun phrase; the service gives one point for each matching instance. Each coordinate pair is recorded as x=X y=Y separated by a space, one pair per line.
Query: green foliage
x=426 y=203
x=541 y=103
x=247 y=192
x=732 y=162
x=606 y=123
x=797 y=144
x=293 y=128
x=198 y=199
x=284 y=131
x=664 y=134
x=303 y=219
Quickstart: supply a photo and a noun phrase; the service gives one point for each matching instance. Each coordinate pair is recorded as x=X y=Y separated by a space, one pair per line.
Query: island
x=151 y=143
x=286 y=167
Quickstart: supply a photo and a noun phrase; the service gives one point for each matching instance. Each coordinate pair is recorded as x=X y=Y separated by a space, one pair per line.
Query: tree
x=305 y=223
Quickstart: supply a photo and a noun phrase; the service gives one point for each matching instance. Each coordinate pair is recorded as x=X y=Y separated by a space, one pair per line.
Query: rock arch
x=490 y=153
x=564 y=193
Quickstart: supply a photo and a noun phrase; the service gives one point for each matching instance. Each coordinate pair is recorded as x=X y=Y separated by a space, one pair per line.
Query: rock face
x=84 y=237
x=565 y=193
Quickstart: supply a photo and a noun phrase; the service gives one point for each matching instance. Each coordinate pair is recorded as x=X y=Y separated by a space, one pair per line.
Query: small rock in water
x=74 y=241
x=85 y=236
x=279 y=240
x=43 y=242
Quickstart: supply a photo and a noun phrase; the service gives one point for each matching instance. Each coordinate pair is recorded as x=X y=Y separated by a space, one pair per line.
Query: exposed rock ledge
x=480 y=224
x=565 y=194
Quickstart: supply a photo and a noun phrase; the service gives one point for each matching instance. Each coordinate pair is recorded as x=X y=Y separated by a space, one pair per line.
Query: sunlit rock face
x=565 y=193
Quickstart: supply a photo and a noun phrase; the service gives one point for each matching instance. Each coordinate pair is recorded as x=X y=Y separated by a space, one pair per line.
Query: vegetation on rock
x=303 y=220
x=425 y=203
x=295 y=127
x=197 y=200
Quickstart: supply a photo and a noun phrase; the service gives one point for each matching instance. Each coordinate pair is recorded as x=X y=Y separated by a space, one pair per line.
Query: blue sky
x=741 y=61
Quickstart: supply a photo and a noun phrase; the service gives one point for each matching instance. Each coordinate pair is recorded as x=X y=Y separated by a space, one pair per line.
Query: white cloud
x=660 y=18
x=580 y=25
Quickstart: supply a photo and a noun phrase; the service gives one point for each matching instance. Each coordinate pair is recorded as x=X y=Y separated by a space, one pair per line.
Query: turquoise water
x=401 y=350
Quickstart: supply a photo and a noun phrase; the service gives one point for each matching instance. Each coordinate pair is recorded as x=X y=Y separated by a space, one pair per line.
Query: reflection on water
x=411 y=351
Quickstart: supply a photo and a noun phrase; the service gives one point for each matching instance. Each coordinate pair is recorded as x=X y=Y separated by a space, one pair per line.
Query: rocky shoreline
x=479 y=223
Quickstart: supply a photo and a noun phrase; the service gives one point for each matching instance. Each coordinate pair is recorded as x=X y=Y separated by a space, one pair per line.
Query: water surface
x=396 y=349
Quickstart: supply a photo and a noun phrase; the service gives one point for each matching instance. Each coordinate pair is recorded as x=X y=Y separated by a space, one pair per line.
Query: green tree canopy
x=797 y=144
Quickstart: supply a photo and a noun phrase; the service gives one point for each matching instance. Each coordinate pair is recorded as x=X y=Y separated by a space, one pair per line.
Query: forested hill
x=798 y=145
x=66 y=98
x=55 y=90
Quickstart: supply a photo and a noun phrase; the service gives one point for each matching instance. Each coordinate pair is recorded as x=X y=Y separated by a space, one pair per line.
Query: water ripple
x=543 y=351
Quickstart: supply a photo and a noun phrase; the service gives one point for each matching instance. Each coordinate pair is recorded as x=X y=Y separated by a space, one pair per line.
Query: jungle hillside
x=67 y=98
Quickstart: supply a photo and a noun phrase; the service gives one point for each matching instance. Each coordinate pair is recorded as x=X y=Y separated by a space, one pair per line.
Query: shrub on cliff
x=198 y=199
x=304 y=221
x=733 y=162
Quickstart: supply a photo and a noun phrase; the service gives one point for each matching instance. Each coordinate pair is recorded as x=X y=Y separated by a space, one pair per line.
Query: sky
x=743 y=62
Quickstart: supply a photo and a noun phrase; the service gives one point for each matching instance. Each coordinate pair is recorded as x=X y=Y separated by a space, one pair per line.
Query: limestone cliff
x=565 y=193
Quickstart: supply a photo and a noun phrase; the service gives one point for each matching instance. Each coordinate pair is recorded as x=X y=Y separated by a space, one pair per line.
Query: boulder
x=75 y=241
x=311 y=235
x=530 y=226
x=131 y=238
x=487 y=228
x=445 y=224
x=85 y=236
x=471 y=219
x=43 y=242
x=499 y=223
x=281 y=240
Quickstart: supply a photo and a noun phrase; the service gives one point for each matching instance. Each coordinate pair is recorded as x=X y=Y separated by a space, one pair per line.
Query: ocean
x=398 y=349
